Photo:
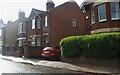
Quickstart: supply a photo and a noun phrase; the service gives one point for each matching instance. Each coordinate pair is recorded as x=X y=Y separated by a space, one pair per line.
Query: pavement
x=59 y=64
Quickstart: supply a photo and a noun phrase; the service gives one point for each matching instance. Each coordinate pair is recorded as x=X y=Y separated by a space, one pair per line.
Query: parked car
x=51 y=53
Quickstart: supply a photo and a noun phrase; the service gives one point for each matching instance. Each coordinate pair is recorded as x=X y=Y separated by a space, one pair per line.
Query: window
x=24 y=27
x=21 y=28
x=38 y=41
x=102 y=12
x=0 y=32
x=92 y=16
x=38 y=23
x=46 y=21
x=73 y=22
x=33 y=41
x=115 y=10
x=33 y=23
x=46 y=40
x=20 y=42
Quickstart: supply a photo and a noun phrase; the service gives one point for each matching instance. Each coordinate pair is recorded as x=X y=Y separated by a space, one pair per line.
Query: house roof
x=84 y=3
x=87 y=2
x=36 y=11
x=69 y=2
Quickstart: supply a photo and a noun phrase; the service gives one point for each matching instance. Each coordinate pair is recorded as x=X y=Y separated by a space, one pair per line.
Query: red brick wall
x=9 y=51
x=106 y=24
x=34 y=52
x=60 y=22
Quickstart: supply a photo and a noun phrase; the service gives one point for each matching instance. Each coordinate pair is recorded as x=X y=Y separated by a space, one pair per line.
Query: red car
x=51 y=53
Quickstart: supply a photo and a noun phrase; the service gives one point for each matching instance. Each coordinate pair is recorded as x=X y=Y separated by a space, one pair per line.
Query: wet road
x=7 y=66
x=14 y=68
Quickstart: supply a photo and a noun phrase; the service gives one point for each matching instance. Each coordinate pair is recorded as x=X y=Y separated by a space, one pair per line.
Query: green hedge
x=104 y=45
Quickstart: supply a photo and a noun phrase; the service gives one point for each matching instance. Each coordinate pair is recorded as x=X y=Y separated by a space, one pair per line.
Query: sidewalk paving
x=57 y=64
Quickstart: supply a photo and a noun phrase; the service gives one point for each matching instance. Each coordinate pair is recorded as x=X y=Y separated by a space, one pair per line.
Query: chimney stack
x=49 y=5
x=21 y=15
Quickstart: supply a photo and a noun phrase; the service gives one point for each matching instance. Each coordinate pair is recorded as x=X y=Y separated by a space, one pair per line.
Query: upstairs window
x=46 y=21
x=22 y=28
x=33 y=23
x=38 y=23
x=73 y=22
x=115 y=10
x=92 y=16
x=102 y=12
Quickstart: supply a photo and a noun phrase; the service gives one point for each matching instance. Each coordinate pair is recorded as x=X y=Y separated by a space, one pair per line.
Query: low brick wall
x=33 y=51
x=9 y=51
x=80 y=61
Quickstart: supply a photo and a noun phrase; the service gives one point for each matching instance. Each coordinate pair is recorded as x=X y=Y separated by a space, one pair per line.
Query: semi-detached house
x=50 y=26
x=101 y=16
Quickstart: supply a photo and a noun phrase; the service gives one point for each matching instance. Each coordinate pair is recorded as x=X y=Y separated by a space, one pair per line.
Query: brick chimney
x=49 y=5
x=21 y=15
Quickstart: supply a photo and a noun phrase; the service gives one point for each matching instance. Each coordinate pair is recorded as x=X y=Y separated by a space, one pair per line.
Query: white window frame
x=38 y=41
x=46 y=19
x=33 y=23
x=21 y=28
x=74 y=22
x=117 y=11
x=38 y=23
x=20 y=42
x=33 y=41
x=92 y=16
x=99 y=12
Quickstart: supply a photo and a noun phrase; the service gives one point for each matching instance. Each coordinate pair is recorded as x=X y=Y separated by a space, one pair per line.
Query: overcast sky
x=9 y=8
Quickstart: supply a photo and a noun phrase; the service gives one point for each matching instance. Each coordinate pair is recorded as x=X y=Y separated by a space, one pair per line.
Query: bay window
x=115 y=10
x=92 y=16
x=102 y=12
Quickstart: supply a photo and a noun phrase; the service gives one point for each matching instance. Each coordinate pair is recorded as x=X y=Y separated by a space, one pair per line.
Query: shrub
x=104 y=45
x=70 y=46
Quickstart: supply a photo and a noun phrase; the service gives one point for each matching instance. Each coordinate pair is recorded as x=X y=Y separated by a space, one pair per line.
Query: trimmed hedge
x=104 y=45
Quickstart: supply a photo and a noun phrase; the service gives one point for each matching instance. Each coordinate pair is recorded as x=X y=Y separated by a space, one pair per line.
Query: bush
x=105 y=45
x=70 y=46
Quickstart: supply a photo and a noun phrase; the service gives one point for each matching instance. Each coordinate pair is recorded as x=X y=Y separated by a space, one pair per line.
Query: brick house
x=62 y=21
x=21 y=36
x=55 y=24
x=101 y=16
x=34 y=27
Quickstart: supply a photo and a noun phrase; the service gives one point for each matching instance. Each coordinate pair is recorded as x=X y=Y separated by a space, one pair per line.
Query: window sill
x=92 y=23
x=102 y=20
x=113 y=19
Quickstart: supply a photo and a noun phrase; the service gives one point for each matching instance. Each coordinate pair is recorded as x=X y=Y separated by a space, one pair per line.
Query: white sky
x=9 y=8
